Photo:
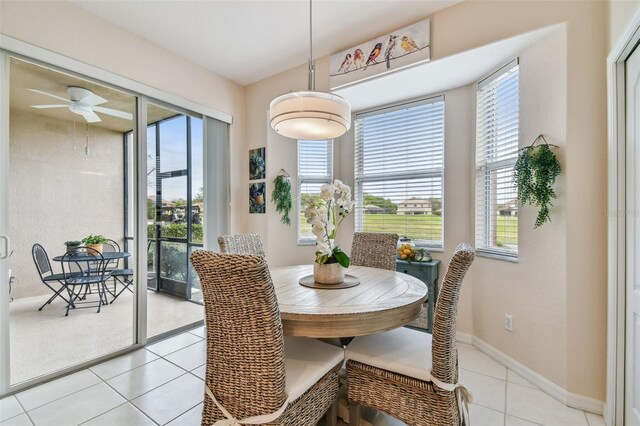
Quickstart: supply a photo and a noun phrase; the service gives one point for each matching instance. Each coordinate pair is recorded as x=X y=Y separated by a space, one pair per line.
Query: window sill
x=495 y=256
x=306 y=242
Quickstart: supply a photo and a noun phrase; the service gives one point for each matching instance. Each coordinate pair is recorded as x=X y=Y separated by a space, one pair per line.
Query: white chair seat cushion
x=306 y=362
x=402 y=351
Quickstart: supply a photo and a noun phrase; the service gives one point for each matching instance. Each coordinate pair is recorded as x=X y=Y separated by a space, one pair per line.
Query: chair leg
x=105 y=291
x=100 y=296
x=354 y=415
x=56 y=293
x=126 y=285
x=70 y=301
x=331 y=416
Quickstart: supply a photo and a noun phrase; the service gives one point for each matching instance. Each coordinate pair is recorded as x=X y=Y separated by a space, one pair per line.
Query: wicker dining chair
x=241 y=244
x=252 y=370
x=377 y=250
x=407 y=373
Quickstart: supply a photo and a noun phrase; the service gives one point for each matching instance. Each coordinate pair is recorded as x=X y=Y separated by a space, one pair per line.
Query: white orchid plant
x=325 y=215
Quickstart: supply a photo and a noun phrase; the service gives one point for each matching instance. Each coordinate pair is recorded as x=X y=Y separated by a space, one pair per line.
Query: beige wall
x=533 y=290
x=69 y=30
x=57 y=192
x=557 y=290
x=619 y=13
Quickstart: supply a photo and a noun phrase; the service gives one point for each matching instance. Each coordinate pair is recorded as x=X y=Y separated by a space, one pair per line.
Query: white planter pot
x=328 y=273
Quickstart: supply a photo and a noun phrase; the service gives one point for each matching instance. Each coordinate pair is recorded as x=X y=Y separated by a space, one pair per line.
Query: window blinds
x=399 y=171
x=315 y=168
x=497 y=128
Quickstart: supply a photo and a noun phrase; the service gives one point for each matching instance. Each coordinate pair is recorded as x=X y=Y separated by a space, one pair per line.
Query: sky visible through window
x=173 y=156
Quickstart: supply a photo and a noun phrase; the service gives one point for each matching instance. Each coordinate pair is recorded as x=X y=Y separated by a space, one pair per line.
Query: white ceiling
x=247 y=41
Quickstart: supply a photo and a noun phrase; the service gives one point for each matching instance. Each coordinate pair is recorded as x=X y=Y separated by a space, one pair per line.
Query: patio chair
x=43 y=265
x=373 y=249
x=118 y=275
x=407 y=373
x=255 y=374
x=125 y=277
x=241 y=244
x=111 y=247
x=79 y=274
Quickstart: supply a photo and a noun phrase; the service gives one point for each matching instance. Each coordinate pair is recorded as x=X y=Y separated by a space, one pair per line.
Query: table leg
x=331 y=417
x=354 y=415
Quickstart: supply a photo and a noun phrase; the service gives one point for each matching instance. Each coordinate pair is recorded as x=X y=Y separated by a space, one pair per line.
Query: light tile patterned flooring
x=163 y=385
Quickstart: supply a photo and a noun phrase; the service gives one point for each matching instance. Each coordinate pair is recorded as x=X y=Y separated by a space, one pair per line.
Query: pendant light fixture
x=310 y=115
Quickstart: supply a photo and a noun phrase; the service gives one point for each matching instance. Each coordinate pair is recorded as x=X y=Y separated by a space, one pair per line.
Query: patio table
x=383 y=300
x=84 y=257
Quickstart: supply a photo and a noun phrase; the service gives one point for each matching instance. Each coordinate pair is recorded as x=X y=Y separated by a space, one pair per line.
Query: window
x=496 y=154
x=315 y=168
x=399 y=171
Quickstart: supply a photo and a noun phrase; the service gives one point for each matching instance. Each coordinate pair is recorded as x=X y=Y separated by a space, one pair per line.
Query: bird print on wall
x=408 y=44
x=346 y=64
x=373 y=55
x=358 y=57
x=388 y=53
x=399 y=49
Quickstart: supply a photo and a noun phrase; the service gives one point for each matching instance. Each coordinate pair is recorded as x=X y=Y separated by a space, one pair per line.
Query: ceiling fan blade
x=115 y=113
x=93 y=100
x=91 y=117
x=50 y=95
x=49 y=106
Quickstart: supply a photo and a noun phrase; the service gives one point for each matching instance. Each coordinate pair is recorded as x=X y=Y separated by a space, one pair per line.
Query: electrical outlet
x=508 y=322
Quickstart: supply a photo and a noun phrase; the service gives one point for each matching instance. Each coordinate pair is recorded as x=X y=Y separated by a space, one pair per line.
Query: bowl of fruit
x=406 y=249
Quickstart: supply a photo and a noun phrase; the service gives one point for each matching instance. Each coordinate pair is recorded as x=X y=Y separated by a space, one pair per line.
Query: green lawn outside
x=507 y=230
x=417 y=227
x=423 y=227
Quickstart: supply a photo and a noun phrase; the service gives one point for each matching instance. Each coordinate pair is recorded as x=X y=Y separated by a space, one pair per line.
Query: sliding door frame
x=10 y=47
x=5 y=350
x=617 y=214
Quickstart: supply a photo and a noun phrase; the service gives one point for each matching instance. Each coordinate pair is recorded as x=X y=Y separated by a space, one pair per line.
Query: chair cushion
x=402 y=351
x=306 y=362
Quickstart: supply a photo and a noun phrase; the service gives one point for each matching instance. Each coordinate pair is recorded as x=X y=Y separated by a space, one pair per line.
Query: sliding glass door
x=176 y=205
x=175 y=212
x=81 y=160
x=66 y=179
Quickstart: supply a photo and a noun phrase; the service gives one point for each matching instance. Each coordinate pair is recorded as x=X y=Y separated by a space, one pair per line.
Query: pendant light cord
x=312 y=77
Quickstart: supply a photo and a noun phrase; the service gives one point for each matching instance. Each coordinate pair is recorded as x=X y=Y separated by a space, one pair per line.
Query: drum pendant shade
x=310 y=115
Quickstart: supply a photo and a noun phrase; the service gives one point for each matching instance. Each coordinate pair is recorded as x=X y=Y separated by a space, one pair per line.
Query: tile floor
x=163 y=385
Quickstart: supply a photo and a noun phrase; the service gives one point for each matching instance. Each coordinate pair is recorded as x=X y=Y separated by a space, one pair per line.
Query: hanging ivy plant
x=281 y=197
x=535 y=172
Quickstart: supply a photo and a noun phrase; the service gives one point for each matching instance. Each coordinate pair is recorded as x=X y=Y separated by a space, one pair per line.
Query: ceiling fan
x=83 y=102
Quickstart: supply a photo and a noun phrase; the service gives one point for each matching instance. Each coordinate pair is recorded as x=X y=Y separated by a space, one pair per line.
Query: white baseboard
x=464 y=338
x=573 y=400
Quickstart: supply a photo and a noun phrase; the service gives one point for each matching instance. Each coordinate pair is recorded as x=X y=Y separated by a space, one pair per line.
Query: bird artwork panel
x=393 y=51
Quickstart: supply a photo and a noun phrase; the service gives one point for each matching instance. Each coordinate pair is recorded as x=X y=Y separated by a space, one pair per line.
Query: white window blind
x=315 y=168
x=497 y=122
x=399 y=171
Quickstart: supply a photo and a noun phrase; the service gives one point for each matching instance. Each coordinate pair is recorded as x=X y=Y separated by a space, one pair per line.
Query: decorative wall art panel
x=399 y=49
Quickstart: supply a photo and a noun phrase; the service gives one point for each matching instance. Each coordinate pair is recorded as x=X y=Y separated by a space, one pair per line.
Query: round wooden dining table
x=383 y=300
